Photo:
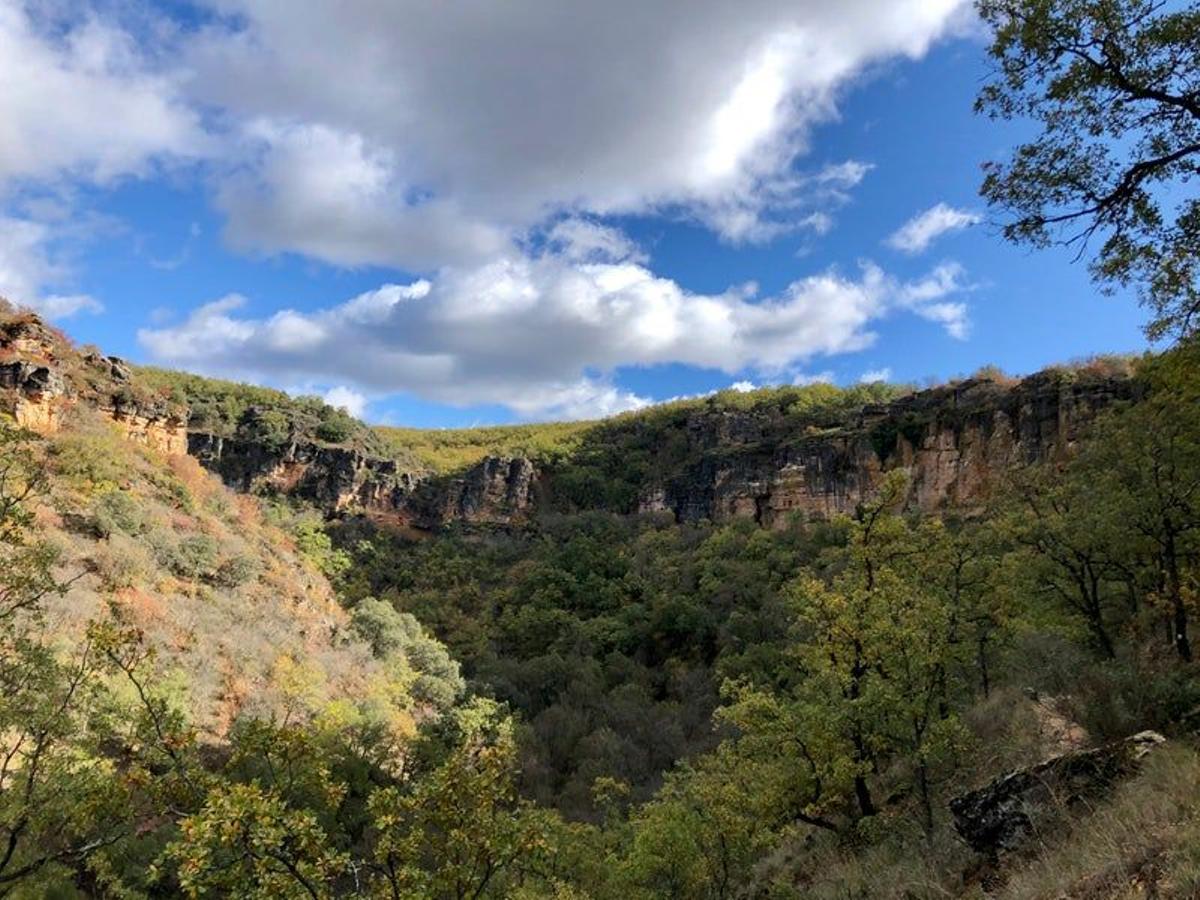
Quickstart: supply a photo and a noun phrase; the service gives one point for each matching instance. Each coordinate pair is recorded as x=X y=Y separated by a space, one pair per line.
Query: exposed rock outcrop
x=952 y=441
x=42 y=376
x=335 y=478
x=755 y=463
x=1002 y=816
x=496 y=490
x=37 y=395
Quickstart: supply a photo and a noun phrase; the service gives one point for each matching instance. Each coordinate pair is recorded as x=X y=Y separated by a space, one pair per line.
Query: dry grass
x=222 y=596
x=1144 y=842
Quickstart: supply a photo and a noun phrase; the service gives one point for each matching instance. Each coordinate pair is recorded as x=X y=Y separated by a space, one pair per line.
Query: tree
x=1076 y=553
x=1145 y=464
x=458 y=831
x=1115 y=86
x=247 y=842
x=881 y=651
x=60 y=801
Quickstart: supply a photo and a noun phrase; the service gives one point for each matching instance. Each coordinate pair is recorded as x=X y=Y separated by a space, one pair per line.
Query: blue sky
x=534 y=235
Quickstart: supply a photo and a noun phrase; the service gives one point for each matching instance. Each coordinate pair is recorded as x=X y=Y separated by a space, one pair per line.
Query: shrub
x=193 y=558
x=389 y=633
x=114 y=511
x=235 y=571
x=336 y=430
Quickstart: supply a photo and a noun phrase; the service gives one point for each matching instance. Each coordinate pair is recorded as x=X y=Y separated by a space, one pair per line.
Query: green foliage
x=451 y=449
x=273 y=418
x=461 y=831
x=246 y=842
x=306 y=527
x=610 y=635
x=391 y=633
x=1113 y=85
x=116 y=511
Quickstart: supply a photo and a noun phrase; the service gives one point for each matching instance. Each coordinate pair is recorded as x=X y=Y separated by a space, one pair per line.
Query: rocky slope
x=952 y=441
x=726 y=462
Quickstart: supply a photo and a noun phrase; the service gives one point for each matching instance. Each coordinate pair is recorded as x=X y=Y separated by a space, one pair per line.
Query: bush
x=114 y=511
x=235 y=571
x=193 y=558
x=336 y=430
x=389 y=632
x=121 y=562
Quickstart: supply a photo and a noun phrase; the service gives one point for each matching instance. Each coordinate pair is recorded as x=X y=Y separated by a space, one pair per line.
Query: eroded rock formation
x=952 y=442
x=42 y=377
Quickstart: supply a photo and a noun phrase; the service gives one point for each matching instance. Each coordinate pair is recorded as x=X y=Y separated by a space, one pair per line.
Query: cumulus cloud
x=342 y=397
x=804 y=378
x=497 y=116
x=541 y=335
x=584 y=240
x=926 y=298
x=915 y=235
x=875 y=375
x=77 y=98
x=29 y=270
x=330 y=195
x=489 y=146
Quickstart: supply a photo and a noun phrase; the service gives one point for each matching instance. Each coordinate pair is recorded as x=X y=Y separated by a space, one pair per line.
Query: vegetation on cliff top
x=260 y=415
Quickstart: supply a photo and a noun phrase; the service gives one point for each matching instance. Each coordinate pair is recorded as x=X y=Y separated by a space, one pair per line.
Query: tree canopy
x=1115 y=87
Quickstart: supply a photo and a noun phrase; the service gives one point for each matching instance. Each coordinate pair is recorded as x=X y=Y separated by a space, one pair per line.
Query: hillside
x=768 y=455
x=796 y=642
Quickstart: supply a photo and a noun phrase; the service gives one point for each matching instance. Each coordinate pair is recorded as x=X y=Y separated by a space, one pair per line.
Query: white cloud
x=804 y=379
x=915 y=235
x=77 y=98
x=484 y=144
x=492 y=118
x=541 y=336
x=29 y=270
x=875 y=375
x=584 y=240
x=743 y=387
x=348 y=399
x=926 y=298
x=330 y=195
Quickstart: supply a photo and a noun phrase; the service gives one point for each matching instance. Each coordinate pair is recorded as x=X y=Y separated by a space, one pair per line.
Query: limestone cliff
x=952 y=441
x=724 y=462
x=336 y=478
x=496 y=491
x=42 y=376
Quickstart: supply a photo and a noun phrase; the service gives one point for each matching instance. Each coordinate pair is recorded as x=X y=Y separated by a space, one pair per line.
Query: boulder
x=1002 y=815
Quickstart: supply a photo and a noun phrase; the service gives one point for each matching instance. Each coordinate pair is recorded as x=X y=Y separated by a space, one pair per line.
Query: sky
x=467 y=213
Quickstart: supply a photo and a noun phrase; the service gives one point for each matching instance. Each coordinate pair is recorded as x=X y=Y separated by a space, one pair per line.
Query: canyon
x=952 y=441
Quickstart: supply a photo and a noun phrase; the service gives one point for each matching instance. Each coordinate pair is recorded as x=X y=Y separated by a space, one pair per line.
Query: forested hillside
x=220 y=694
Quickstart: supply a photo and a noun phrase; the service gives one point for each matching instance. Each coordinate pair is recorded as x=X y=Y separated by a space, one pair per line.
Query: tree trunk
x=1179 y=619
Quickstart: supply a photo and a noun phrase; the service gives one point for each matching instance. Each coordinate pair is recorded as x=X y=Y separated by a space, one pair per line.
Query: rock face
x=496 y=491
x=1003 y=815
x=335 y=478
x=37 y=391
x=951 y=441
